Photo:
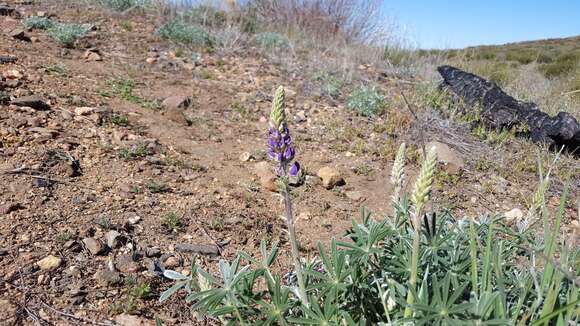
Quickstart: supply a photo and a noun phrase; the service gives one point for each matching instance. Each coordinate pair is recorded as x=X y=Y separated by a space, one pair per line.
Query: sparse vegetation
x=272 y=40
x=155 y=187
x=67 y=33
x=367 y=101
x=36 y=22
x=181 y=32
x=134 y=152
x=122 y=5
x=172 y=221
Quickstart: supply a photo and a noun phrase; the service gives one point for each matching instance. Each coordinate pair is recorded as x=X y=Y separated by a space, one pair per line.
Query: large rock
x=451 y=159
x=330 y=177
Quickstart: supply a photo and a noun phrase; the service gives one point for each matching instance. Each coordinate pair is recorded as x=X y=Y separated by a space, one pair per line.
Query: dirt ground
x=93 y=161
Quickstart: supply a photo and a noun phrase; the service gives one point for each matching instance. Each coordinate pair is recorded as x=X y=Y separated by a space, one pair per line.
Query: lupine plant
x=417 y=267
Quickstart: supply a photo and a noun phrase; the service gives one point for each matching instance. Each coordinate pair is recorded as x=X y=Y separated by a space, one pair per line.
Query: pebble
x=94 y=246
x=200 y=249
x=514 y=215
x=245 y=156
x=112 y=238
x=134 y=220
x=49 y=262
x=126 y=264
x=171 y=262
x=330 y=177
x=354 y=195
x=106 y=277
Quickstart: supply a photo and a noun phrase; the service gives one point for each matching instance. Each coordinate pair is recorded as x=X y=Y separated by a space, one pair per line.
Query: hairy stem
x=414 y=267
x=294 y=245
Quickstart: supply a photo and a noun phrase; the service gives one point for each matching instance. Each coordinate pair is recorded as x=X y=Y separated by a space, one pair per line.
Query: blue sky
x=457 y=24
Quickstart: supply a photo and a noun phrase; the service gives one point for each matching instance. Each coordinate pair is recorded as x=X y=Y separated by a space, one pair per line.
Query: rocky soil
x=102 y=188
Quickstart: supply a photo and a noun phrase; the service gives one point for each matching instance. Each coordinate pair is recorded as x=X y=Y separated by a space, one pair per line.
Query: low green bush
x=67 y=33
x=122 y=5
x=35 y=22
x=563 y=65
x=367 y=101
x=181 y=32
x=271 y=40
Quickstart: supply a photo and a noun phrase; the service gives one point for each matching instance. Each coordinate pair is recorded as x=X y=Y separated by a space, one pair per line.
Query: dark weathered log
x=500 y=110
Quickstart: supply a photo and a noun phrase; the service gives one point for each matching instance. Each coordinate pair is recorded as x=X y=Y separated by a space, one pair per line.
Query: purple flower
x=294 y=169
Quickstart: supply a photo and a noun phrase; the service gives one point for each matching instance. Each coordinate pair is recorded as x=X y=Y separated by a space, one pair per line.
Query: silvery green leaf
x=169 y=292
x=174 y=275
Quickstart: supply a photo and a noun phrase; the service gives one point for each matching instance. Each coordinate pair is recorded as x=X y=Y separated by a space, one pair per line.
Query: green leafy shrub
x=181 y=32
x=67 y=34
x=35 y=22
x=367 y=101
x=408 y=269
x=271 y=40
x=563 y=65
x=122 y=5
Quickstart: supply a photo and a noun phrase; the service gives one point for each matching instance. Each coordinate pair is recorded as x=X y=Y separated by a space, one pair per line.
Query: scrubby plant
x=367 y=101
x=271 y=40
x=330 y=85
x=36 y=22
x=122 y=5
x=181 y=32
x=67 y=33
x=172 y=221
x=417 y=267
x=563 y=65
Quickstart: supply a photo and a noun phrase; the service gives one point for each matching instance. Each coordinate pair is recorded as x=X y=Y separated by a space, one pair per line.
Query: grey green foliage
x=35 y=22
x=67 y=33
x=181 y=32
x=122 y=5
x=272 y=40
x=367 y=101
x=470 y=273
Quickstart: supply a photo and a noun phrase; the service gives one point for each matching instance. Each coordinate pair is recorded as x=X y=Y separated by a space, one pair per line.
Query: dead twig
x=419 y=122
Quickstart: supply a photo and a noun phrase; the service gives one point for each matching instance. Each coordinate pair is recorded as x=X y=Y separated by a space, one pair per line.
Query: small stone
x=20 y=34
x=452 y=161
x=112 y=239
x=151 y=60
x=207 y=250
x=33 y=101
x=94 y=246
x=300 y=116
x=106 y=277
x=84 y=110
x=354 y=195
x=153 y=252
x=177 y=102
x=245 y=156
x=514 y=215
x=49 y=262
x=134 y=220
x=12 y=74
x=92 y=55
x=171 y=262
x=330 y=177
x=132 y=320
x=126 y=264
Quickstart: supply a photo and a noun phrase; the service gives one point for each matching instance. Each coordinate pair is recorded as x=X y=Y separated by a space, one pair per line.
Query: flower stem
x=414 y=267
x=294 y=244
